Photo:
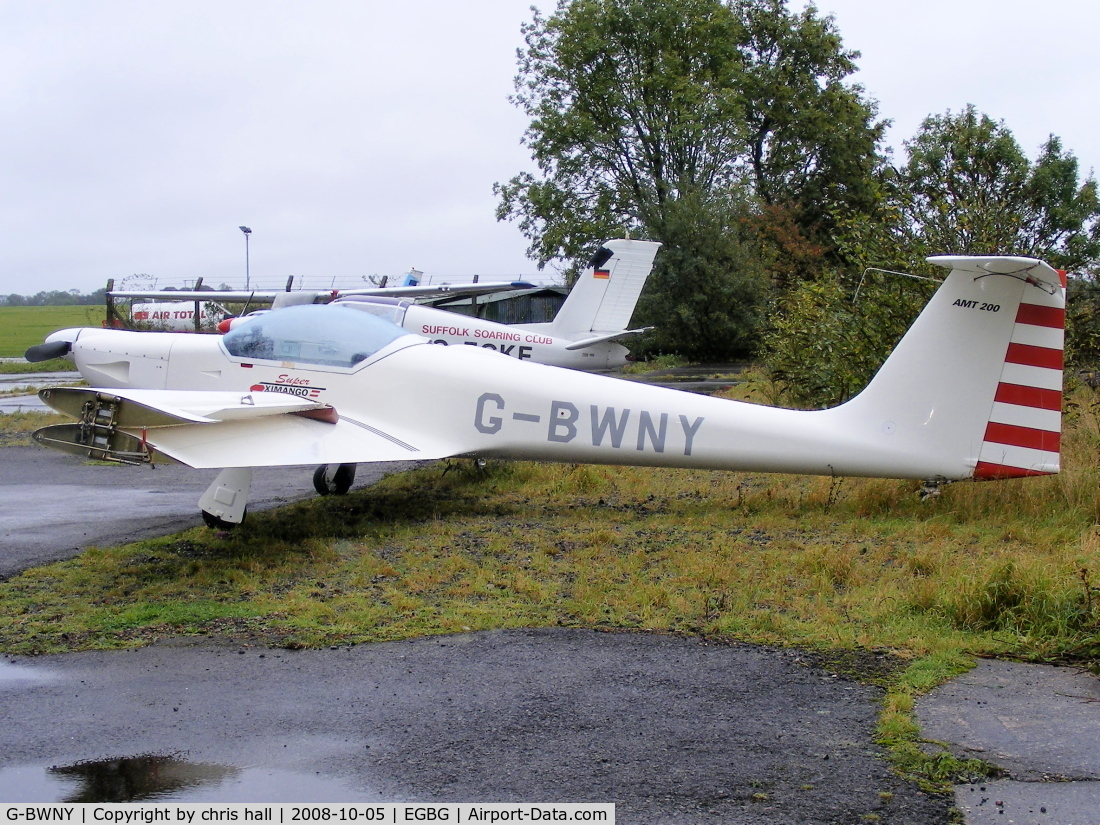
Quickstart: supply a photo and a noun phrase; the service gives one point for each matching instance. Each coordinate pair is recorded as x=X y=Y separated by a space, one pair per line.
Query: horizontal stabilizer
x=1030 y=270
x=611 y=336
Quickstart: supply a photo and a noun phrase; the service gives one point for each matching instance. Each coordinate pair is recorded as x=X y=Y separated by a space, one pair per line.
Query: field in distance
x=22 y=327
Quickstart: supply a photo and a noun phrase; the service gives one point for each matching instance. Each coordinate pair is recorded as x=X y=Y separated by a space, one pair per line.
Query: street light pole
x=246 y=232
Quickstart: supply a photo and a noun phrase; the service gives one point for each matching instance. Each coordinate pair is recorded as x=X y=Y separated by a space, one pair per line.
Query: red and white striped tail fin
x=974 y=388
x=1023 y=436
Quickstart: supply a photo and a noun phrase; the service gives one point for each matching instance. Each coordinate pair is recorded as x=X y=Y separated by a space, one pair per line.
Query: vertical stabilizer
x=604 y=296
x=976 y=382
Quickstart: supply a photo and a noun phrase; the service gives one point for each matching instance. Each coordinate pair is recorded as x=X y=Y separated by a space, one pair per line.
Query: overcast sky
x=362 y=138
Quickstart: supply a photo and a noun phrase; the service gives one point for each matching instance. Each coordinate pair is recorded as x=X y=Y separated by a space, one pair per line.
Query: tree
x=733 y=112
x=968 y=188
x=708 y=291
x=827 y=343
x=637 y=103
x=631 y=103
x=812 y=140
x=70 y=297
x=1062 y=217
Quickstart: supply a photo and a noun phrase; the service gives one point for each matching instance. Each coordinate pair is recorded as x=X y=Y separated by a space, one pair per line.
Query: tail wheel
x=328 y=480
x=219 y=523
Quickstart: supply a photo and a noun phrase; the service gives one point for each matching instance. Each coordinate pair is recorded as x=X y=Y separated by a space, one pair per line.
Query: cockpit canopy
x=332 y=336
x=392 y=309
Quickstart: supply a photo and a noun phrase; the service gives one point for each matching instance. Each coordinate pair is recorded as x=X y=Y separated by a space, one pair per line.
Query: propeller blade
x=44 y=352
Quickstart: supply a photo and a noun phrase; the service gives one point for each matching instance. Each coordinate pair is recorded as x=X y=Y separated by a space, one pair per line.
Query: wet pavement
x=1040 y=724
x=53 y=505
x=11 y=381
x=672 y=730
x=22 y=403
x=30 y=383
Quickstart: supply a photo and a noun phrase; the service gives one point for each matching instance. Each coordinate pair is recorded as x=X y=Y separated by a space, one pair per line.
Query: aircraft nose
x=57 y=345
x=48 y=350
x=68 y=335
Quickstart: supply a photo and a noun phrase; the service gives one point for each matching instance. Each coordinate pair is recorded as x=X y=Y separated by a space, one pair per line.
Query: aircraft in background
x=173 y=310
x=972 y=391
x=583 y=334
x=288 y=297
x=584 y=331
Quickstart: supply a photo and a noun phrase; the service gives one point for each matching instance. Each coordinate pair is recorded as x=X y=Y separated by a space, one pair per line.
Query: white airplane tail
x=603 y=298
x=978 y=377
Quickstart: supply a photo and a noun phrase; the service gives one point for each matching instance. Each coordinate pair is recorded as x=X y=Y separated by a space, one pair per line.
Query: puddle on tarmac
x=12 y=673
x=162 y=778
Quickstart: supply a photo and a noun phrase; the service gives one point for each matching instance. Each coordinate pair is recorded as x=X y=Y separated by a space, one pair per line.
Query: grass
x=860 y=572
x=32 y=389
x=657 y=362
x=23 y=327
x=16 y=428
x=23 y=367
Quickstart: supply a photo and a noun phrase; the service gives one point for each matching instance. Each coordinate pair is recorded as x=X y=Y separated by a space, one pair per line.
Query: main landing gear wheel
x=329 y=480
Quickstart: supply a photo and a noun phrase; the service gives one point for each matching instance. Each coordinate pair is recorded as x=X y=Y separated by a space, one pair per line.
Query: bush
x=825 y=342
x=708 y=291
x=1083 y=325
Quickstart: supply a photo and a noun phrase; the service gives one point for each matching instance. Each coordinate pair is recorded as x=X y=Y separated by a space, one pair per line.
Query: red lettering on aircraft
x=429 y=329
x=496 y=335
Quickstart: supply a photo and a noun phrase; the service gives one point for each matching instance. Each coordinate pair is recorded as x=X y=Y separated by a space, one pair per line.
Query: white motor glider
x=583 y=334
x=584 y=331
x=973 y=390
